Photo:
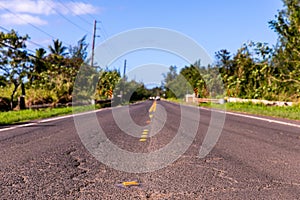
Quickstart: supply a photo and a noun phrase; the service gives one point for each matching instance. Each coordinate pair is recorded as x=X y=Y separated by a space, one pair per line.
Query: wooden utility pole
x=123 y=82
x=93 y=43
x=124 y=69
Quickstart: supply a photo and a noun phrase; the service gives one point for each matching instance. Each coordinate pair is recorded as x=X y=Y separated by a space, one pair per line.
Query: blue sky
x=214 y=24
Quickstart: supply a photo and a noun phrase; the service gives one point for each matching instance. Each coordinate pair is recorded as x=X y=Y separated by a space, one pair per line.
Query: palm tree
x=39 y=64
x=58 y=48
x=40 y=53
x=39 y=60
x=79 y=51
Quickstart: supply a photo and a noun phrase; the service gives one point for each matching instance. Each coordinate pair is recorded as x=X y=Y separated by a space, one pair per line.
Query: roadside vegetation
x=12 y=117
x=255 y=71
x=289 y=112
x=47 y=76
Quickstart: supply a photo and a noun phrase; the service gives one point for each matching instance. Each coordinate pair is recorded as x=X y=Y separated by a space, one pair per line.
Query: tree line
x=51 y=75
x=255 y=71
x=47 y=76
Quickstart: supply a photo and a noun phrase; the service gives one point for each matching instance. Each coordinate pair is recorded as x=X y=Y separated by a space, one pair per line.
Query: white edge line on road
x=95 y=111
x=241 y=115
x=254 y=117
x=51 y=119
x=54 y=119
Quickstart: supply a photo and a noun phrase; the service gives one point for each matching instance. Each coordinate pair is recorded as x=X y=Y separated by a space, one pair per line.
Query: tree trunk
x=12 y=96
x=22 y=98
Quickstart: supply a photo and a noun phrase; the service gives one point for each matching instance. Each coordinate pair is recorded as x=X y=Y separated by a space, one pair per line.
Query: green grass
x=287 y=112
x=12 y=117
x=175 y=100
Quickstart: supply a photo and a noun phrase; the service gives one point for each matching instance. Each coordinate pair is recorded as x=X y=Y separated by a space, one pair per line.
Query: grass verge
x=12 y=117
x=288 y=112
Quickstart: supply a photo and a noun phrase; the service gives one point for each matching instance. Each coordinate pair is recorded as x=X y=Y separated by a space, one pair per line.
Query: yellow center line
x=153 y=107
x=145 y=131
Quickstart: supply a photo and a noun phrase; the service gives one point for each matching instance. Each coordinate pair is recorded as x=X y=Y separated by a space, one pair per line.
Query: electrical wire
x=84 y=20
x=90 y=15
x=34 y=26
x=29 y=41
x=5 y=29
x=24 y=51
x=67 y=19
x=109 y=47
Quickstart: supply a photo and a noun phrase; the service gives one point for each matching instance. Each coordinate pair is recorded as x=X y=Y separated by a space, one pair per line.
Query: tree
x=3 y=81
x=224 y=61
x=57 y=48
x=286 y=59
x=63 y=68
x=225 y=65
x=80 y=50
x=39 y=65
x=108 y=81
x=168 y=79
x=192 y=75
x=14 y=60
x=134 y=91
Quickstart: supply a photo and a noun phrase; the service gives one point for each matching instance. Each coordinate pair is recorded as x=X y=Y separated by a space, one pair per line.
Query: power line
x=36 y=44
x=79 y=27
x=34 y=26
x=29 y=41
x=109 y=47
x=104 y=31
x=90 y=15
x=60 y=14
x=5 y=29
x=84 y=20
x=24 y=51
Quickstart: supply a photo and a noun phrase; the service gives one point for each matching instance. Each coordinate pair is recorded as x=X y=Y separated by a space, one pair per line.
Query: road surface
x=253 y=159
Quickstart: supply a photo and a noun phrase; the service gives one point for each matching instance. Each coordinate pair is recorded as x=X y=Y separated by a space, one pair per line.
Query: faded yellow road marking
x=153 y=107
x=143 y=140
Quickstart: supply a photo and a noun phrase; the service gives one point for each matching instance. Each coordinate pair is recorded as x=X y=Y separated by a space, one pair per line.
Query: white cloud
x=28 y=8
x=21 y=19
x=79 y=8
x=47 y=7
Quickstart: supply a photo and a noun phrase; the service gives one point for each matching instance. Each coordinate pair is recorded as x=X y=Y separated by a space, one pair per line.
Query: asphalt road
x=253 y=158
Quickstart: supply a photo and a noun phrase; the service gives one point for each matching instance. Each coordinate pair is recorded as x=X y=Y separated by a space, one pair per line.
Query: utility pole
x=93 y=44
x=123 y=82
x=124 y=69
